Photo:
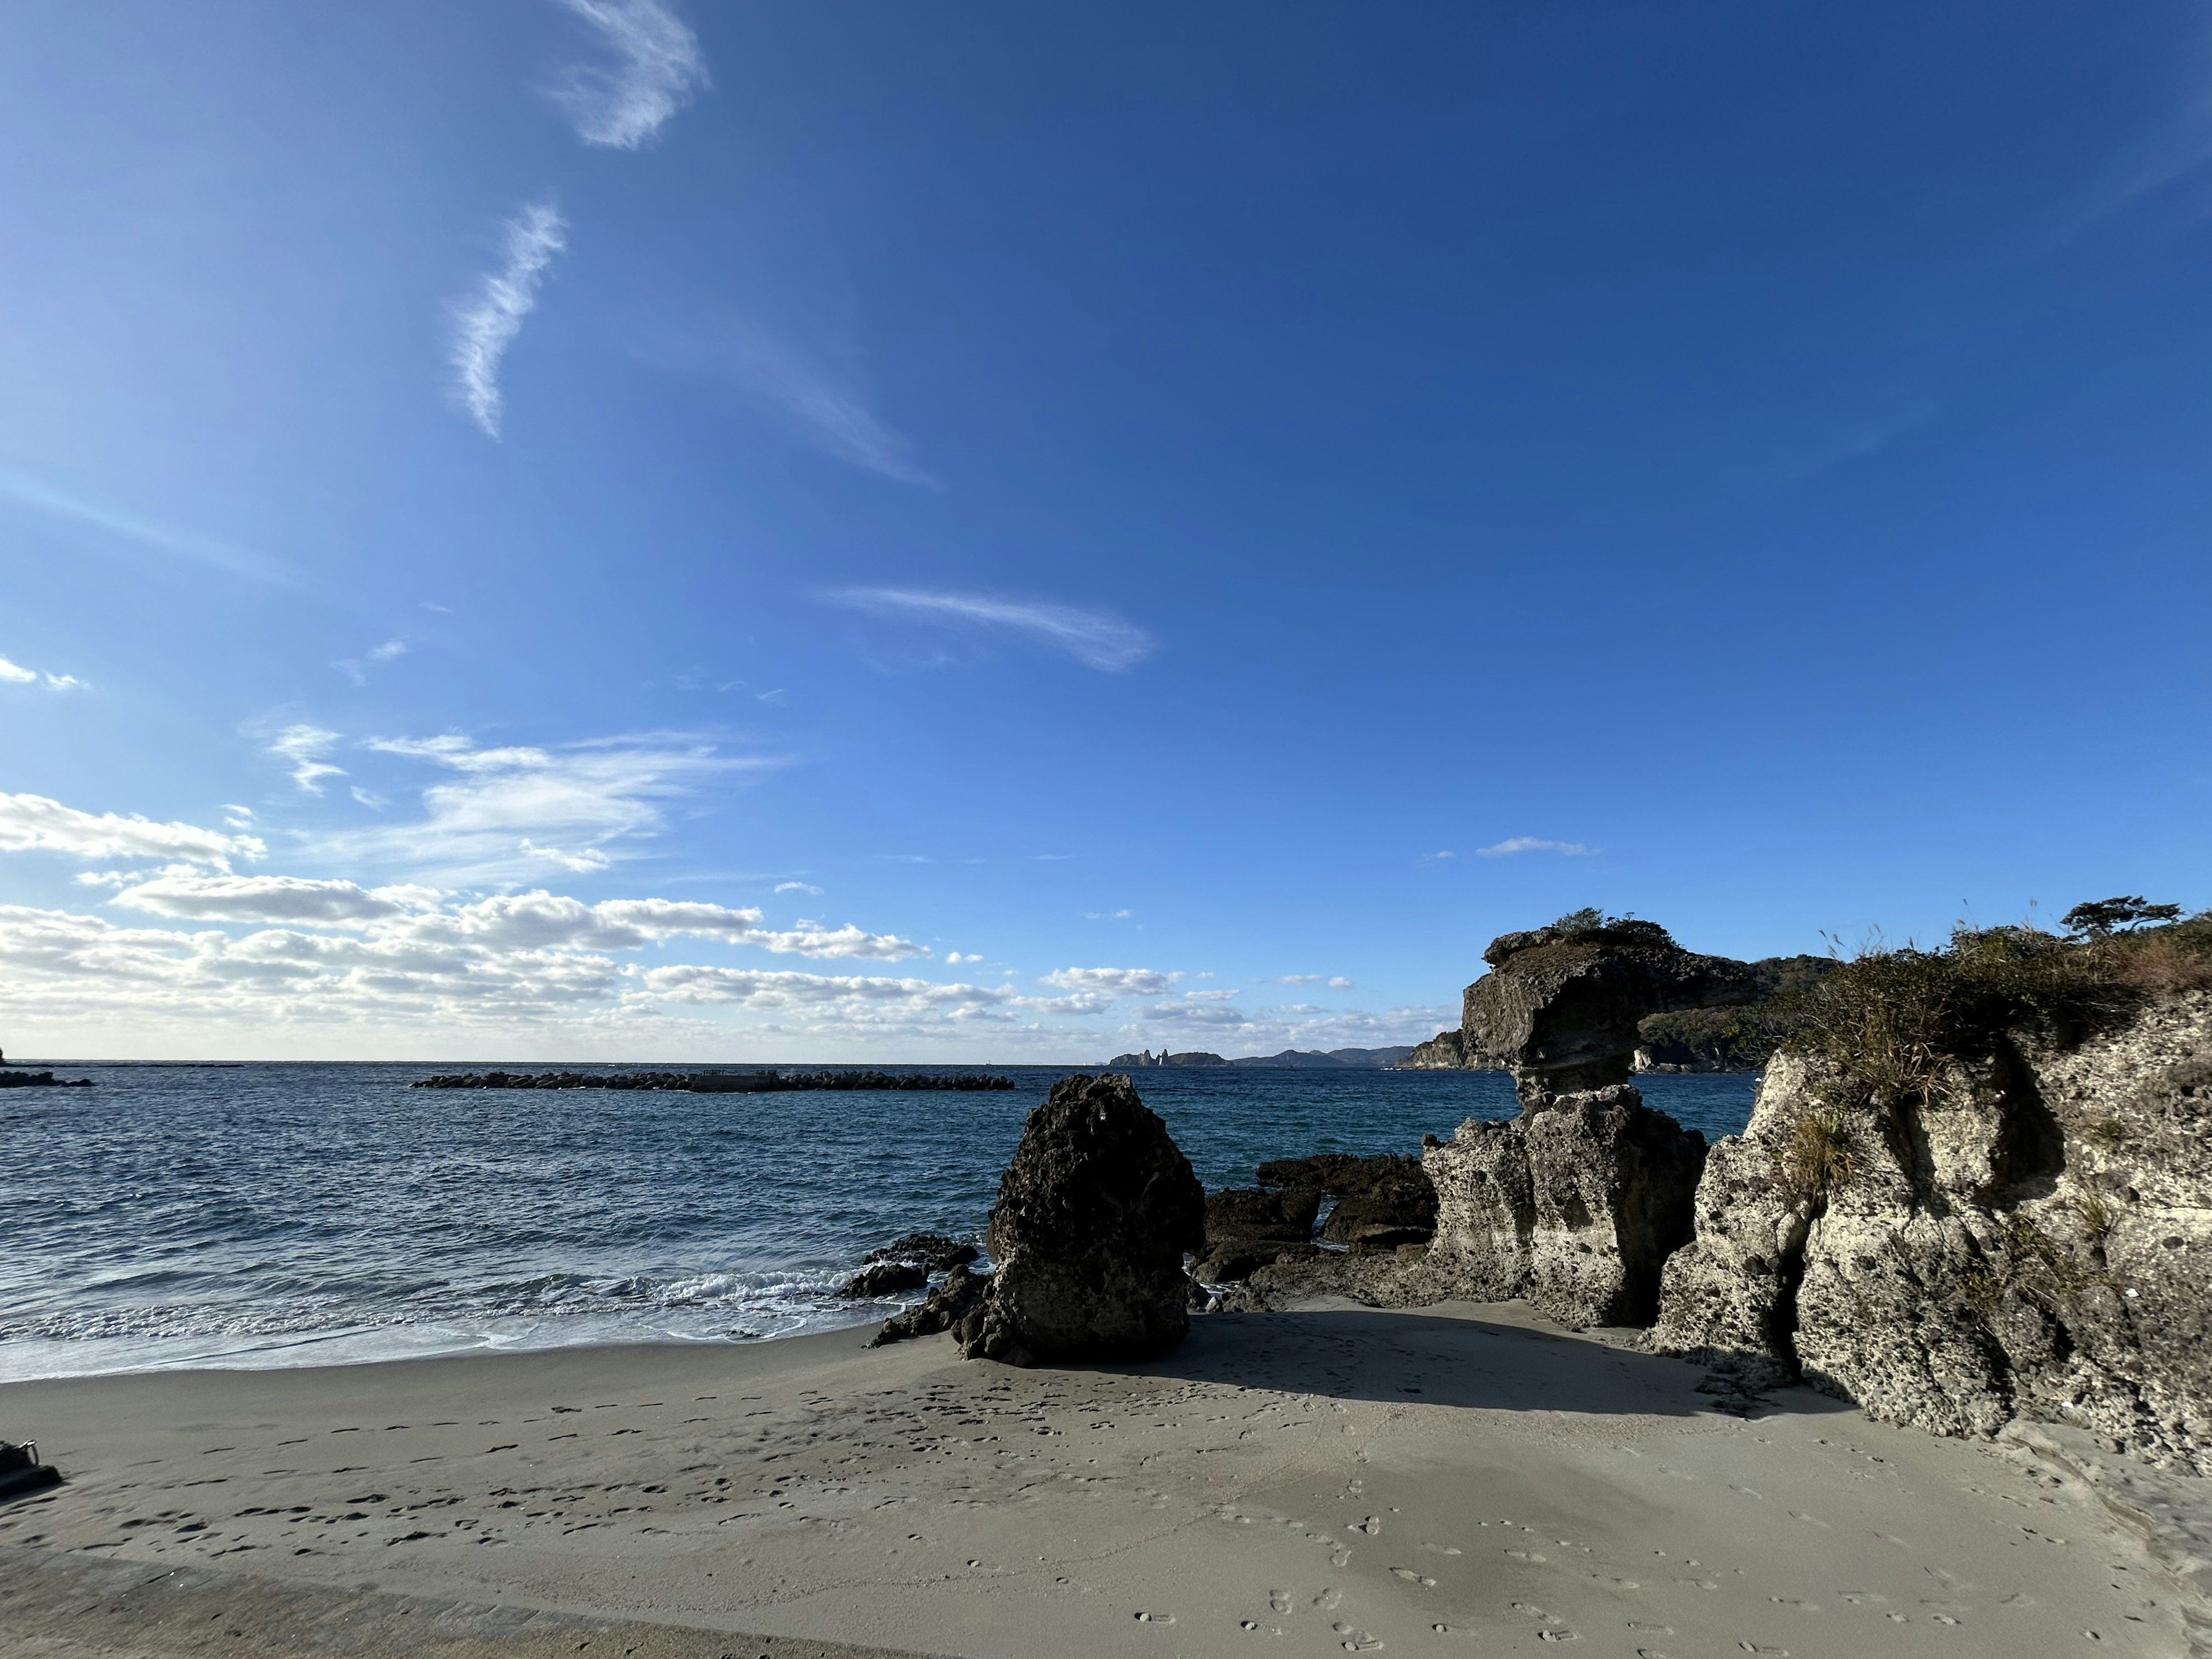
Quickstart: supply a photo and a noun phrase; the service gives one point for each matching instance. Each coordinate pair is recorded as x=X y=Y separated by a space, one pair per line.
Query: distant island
x=1311 y=1060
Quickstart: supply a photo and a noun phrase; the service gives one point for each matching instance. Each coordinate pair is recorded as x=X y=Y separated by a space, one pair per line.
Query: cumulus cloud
x=305 y=747
x=37 y=824
x=1116 y=982
x=657 y=67
x=751 y=987
x=1338 y=983
x=1531 y=844
x=1097 y=639
x=288 y=899
x=486 y=324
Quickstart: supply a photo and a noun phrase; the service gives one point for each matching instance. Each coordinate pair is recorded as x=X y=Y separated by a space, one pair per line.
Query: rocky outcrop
x=1575 y=1205
x=905 y=1264
x=1560 y=1007
x=1444 y=1052
x=1094 y=1216
x=943 y=1308
x=2027 y=1236
x=14 y=1079
x=1383 y=1201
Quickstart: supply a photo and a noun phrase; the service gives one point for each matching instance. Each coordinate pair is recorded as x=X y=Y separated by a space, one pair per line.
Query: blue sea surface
x=284 y=1214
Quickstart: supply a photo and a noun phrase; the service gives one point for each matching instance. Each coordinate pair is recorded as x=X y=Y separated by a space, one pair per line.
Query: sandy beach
x=1463 y=1480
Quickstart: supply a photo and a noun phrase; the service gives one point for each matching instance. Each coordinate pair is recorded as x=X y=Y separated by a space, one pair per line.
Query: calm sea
x=313 y=1214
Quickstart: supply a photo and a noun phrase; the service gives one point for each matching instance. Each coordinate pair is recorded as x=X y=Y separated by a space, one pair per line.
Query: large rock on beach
x=1575 y=1205
x=1094 y=1216
x=2030 y=1237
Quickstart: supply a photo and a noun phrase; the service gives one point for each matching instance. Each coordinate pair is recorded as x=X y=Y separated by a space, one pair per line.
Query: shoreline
x=1455 y=1480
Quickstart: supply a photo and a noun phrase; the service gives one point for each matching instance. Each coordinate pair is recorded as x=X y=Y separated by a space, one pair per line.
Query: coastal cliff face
x=2028 y=1234
x=1444 y=1052
x=1575 y=1205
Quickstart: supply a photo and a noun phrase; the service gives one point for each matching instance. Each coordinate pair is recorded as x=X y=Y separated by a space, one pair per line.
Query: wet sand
x=1459 y=1480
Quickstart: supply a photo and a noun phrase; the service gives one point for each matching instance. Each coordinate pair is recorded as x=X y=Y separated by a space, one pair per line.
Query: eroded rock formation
x=1575 y=1205
x=2029 y=1235
x=1560 y=1007
x=1094 y=1216
x=1248 y=1227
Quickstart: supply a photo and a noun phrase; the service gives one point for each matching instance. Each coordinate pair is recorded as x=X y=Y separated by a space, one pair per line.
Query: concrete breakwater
x=718 y=1082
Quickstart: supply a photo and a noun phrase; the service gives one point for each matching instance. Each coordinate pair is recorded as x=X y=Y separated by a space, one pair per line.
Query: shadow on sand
x=1442 y=1358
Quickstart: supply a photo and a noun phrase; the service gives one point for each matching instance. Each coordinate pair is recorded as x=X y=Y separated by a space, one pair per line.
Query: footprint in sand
x=1357 y=1641
x=1156 y=1619
x=1530 y=1556
x=1372 y=1526
x=1440 y=1549
x=1413 y=1578
x=1329 y=1599
x=1280 y=1601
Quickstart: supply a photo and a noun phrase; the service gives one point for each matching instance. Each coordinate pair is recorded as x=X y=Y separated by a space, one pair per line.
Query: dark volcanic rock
x=885 y=1279
x=14 y=1079
x=1093 y=1218
x=1383 y=1201
x=1254 y=1213
x=1233 y=1259
x=1576 y=1206
x=934 y=1251
x=1444 y=1052
x=943 y=1308
x=1248 y=1227
x=1560 y=1007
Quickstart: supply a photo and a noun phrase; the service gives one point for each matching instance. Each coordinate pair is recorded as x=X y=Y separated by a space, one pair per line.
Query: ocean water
x=263 y=1215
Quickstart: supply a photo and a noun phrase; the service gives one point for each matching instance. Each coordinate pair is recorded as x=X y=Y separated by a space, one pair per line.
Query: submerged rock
x=1094 y=1216
x=885 y=1279
x=934 y=1251
x=1576 y=1206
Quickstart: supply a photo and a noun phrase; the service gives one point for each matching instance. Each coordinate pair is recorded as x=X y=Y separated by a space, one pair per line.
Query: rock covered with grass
x=1095 y=1215
x=1978 y=1187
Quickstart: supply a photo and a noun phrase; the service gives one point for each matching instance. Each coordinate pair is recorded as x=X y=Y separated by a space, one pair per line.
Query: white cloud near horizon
x=1511 y=845
x=38 y=824
x=486 y=324
x=1097 y=639
x=659 y=66
x=1113 y=981
x=203 y=549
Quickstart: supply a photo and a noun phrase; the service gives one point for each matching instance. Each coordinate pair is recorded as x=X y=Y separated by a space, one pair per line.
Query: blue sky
x=662 y=529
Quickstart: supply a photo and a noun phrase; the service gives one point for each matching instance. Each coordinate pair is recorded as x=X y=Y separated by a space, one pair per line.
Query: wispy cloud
x=658 y=66
x=37 y=824
x=798 y=887
x=203 y=549
x=827 y=405
x=357 y=668
x=509 y=812
x=1097 y=639
x=1514 y=844
x=305 y=747
x=485 y=325
x=12 y=673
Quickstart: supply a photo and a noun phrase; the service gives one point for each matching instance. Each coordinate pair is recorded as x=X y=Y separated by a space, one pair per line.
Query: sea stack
x=1094 y=1216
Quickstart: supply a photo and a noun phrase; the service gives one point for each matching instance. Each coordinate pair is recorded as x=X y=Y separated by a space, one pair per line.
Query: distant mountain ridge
x=1312 y=1060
